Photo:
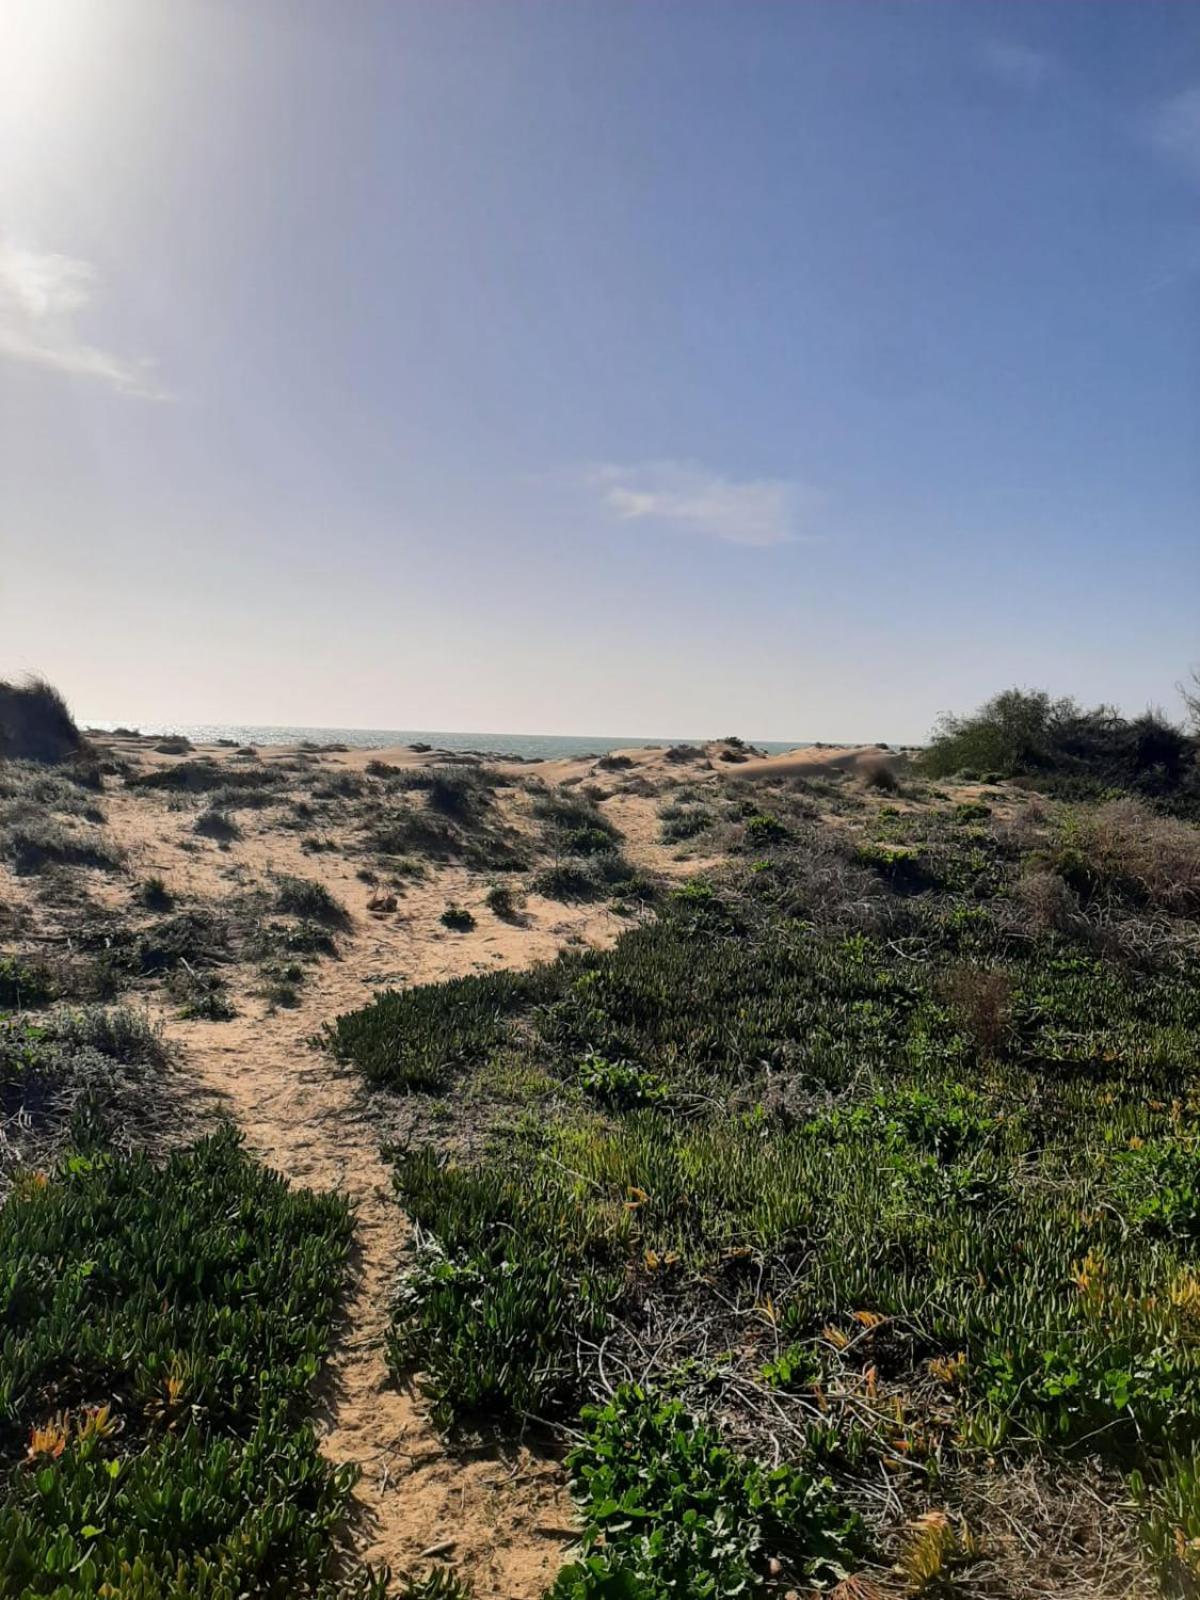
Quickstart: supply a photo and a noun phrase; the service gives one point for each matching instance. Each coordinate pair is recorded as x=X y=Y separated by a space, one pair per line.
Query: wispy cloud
x=1174 y=130
x=40 y=293
x=693 y=499
x=1018 y=66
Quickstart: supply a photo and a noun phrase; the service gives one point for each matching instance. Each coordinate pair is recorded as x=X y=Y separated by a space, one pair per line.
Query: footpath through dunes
x=503 y=1516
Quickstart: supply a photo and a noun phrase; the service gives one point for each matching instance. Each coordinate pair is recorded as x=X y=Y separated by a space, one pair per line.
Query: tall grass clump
x=303 y=897
x=36 y=724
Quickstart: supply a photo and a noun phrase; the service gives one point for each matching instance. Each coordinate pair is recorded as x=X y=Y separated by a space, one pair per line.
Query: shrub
x=880 y=776
x=107 y=1067
x=593 y=879
x=23 y=984
x=153 y=893
x=201 y=775
x=670 y=1510
x=216 y=825
x=763 y=830
x=574 y=826
x=458 y=918
x=503 y=903
x=1047 y=902
x=38 y=844
x=1122 y=849
x=302 y=897
x=35 y=724
x=982 y=1004
x=1024 y=733
x=681 y=822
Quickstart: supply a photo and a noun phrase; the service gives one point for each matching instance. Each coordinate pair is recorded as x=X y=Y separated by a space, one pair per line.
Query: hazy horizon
x=793 y=370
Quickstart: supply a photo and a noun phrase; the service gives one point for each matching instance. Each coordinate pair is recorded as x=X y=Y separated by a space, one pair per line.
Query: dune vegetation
x=806 y=1160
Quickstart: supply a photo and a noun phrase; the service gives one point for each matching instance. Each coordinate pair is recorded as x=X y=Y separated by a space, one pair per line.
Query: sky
x=666 y=367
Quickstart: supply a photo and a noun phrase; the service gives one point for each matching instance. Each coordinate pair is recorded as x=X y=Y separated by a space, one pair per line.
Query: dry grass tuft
x=1127 y=851
x=35 y=724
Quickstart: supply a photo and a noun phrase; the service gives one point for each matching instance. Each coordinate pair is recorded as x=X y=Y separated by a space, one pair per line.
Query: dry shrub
x=1026 y=830
x=982 y=1005
x=1126 y=850
x=1047 y=902
x=878 y=774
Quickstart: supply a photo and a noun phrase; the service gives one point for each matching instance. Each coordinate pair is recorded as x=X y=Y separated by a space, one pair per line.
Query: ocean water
x=543 y=746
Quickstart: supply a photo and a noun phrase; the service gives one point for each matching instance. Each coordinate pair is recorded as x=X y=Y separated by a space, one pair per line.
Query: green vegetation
x=903 y=1121
x=458 y=919
x=1068 y=750
x=670 y=1510
x=164 y=1325
x=418 y=1038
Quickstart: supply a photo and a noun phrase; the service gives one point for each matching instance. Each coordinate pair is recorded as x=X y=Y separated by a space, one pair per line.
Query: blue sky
x=793 y=369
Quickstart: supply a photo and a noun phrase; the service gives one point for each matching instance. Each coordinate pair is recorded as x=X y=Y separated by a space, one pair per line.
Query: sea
x=528 y=746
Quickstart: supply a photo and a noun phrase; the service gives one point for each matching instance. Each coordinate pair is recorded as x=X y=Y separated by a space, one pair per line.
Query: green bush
x=1023 y=733
x=670 y=1510
x=23 y=984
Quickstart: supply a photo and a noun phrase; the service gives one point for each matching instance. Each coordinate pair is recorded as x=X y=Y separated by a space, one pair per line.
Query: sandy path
x=306 y=1117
